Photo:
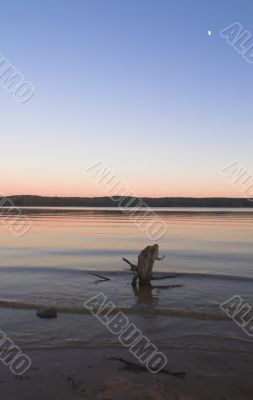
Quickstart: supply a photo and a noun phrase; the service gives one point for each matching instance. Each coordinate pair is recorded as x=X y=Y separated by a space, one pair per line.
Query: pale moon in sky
x=209 y=33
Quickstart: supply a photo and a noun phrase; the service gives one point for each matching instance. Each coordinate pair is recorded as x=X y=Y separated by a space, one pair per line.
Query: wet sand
x=90 y=374
x=76 y=357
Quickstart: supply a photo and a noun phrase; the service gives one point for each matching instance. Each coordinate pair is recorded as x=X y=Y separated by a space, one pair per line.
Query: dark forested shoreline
x=41 y=201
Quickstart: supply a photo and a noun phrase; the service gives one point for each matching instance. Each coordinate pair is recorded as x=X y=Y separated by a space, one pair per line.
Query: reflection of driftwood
x=131 y=366
x=165 y=286
x=144 y=269
x=158 y=278
x=103 y=278
x=145 y=294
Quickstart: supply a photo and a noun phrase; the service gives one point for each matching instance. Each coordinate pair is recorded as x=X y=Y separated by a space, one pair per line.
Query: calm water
x=211 y=241
x=53 y=265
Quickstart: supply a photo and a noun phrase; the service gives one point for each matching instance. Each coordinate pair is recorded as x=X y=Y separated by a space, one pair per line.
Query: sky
x=137 y=84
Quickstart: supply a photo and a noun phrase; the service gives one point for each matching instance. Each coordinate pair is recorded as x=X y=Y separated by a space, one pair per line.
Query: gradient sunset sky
x=138 y=84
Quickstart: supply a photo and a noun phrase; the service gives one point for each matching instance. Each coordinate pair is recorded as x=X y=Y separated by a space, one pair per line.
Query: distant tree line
x=40 y=201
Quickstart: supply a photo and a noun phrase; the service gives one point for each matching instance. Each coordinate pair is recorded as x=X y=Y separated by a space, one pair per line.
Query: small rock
x=47 y=313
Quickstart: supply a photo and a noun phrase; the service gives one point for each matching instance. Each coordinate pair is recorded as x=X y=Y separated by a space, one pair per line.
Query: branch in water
x=99 y=276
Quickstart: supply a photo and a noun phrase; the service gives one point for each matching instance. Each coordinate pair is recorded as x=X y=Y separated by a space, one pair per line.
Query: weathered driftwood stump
x=144 y=269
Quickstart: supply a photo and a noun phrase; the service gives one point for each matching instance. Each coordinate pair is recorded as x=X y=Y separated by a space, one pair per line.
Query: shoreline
x=219 y=210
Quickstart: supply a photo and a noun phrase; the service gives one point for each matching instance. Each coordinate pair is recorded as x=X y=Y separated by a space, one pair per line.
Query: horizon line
x=116 y=195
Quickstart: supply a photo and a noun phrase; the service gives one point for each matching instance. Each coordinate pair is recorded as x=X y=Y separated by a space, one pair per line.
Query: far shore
x=122 y=201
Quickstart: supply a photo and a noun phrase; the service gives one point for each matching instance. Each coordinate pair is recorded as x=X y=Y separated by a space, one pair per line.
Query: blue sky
x=137 y=84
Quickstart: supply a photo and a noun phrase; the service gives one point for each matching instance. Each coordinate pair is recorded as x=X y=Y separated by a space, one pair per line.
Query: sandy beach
x=75 y=357
x=100 y=373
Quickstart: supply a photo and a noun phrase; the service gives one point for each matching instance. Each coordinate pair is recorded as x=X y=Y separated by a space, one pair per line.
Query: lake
x=55 y=262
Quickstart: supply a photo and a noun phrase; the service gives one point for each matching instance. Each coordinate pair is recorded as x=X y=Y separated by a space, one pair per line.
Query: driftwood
x=144 y=269
x=134 y=367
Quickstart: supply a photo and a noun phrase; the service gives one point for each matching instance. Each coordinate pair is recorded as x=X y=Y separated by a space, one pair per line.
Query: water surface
x=53 y=265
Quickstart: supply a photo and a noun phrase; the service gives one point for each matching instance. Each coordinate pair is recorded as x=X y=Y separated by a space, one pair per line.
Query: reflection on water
x=210 y=241
x=150 y=294
x=145 y=295
x=211 y=249
x=47 y=265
